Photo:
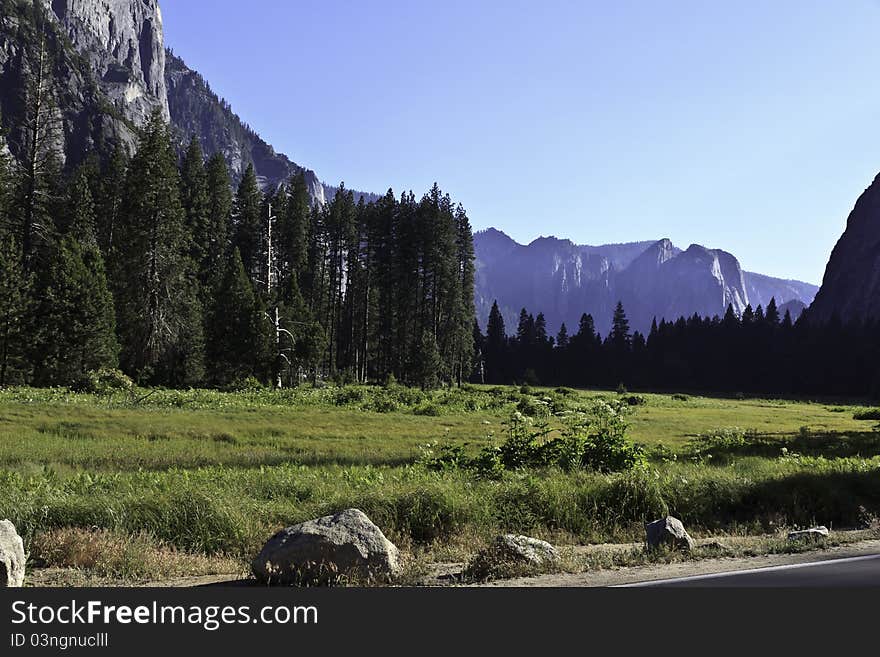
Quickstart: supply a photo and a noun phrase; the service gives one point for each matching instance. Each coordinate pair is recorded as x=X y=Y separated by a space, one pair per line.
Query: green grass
x=209 y=473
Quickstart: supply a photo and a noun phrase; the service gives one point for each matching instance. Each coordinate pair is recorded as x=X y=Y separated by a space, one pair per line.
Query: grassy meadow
x=160 y=483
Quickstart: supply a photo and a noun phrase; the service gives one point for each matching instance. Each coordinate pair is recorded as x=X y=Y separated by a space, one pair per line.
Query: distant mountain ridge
x=653 y=279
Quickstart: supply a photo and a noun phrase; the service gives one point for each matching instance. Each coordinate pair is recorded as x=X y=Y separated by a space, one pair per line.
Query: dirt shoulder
x=644 y=573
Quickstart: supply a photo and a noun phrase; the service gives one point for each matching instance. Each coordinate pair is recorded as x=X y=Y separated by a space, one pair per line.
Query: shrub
x=680 y=397
x=430 y=410
x=868 y=414
x=350 y=395
x=635 y=400
x=442 y=457
x=531 y=407
x=248 y=384
x=105 y=382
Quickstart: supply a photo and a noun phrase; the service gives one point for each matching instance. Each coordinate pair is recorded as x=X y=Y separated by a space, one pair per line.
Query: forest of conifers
x=158 y=267
x=759 y=353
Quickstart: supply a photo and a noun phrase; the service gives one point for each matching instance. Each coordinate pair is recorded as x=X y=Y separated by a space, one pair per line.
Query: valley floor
x=184 y=487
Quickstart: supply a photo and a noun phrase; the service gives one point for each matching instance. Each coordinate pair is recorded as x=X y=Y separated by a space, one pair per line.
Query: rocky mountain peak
x=851 y=287
x=124 y=43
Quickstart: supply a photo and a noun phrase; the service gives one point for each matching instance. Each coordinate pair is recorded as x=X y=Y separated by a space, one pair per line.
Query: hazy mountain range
x=653 y=279
x=112 y=69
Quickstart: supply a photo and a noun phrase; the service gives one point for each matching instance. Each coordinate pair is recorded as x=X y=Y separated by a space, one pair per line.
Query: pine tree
x=13 y=300
x=772 y=314
x=78 y=217
x=562 y=337
x=466 y=317
x=110 y=201
x=787 y=322
x=197 y=207
x=248 y=224
x=496 y=347
x=239 y=341
x=219 y=229
x=294 y=228
x=74 y=315
x=620 y=337
x=426 y=362
x=40 y=167
x=158 y=312
x=306 y=337
x=6 y=183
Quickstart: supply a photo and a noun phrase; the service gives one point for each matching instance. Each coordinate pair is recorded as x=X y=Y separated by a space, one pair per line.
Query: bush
x=868 y=414
x=430 y=410
x=531 y=407
x=105 y=382
x=680 y=397
x=248 y=384
x=350 y=395
x=635 y=400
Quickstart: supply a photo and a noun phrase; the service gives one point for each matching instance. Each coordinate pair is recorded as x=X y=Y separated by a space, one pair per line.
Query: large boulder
x=321 y=550
x=12 y=557
x=509 y=555
x=811 y=534
x=525 y=549
x=668 y=532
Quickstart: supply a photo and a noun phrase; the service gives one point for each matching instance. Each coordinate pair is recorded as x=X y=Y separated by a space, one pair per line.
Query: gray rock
x=317 y=551
x=12 y=557
x=715 y=546
x=524 y=549
x=669 y=532
x=812 y=534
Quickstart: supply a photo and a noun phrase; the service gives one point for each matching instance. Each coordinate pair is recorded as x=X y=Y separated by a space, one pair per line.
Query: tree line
x=154 y=264
x=759 y=352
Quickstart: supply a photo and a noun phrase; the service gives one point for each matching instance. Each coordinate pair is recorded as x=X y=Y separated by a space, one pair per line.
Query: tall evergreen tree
x=562 y=337
x=110 y=201
x=294 y=228
x=620 y=336
x=496 y=347
x=40 y=167
x=74 y=313
x=219 y=229
x=197 y=207
x=238 y=332
x=13 y=306
x=248 y=224
x=158 y=312
x=772 y=314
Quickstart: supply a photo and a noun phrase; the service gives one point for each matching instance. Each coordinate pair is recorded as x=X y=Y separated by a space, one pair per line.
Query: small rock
x=813 y=533
x=716 y=546
x=668 y=531
x=316 y=551
x=524 y=549
x=12 y=558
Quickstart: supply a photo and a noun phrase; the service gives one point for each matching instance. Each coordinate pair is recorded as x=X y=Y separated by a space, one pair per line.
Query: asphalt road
x=863 y=571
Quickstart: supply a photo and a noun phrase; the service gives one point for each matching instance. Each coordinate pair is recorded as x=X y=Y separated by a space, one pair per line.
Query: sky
x=749 y=126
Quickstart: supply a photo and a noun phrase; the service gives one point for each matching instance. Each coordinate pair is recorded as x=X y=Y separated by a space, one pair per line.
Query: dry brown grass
x=136 y=557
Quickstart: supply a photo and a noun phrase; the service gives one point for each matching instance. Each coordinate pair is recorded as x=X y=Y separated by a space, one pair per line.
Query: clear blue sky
x=750 y=126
